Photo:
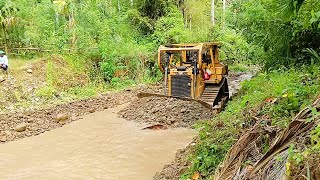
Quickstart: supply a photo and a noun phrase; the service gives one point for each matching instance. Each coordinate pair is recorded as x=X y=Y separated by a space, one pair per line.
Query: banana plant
x=67 y=8
x=7 y=19
x=313 y=53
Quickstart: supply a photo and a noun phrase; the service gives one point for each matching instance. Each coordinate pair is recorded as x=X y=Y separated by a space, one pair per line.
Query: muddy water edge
x=100 y=146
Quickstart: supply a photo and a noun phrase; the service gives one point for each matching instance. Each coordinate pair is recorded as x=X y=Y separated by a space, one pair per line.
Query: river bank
x=99 y=146
x=28 y=123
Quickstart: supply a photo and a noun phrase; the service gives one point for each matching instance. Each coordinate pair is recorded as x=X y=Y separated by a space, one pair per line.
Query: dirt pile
x=165 y=111
x=174 y=112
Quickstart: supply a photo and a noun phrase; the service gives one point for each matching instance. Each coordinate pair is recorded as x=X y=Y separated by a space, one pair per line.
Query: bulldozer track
x=210 y=94
x=214 y=95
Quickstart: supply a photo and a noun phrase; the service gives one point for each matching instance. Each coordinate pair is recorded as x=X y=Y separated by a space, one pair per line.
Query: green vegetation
x=284 y=29
x=54 y=80
x=120 y=38
x=94 y=45
x=291 y=90
x=281 y=36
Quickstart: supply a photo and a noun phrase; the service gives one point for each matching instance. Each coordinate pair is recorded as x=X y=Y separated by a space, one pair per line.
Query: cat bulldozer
x=193 y=72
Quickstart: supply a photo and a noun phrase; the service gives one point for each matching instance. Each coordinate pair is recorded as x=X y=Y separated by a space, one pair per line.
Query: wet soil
x=166 y=111
x=177 y=167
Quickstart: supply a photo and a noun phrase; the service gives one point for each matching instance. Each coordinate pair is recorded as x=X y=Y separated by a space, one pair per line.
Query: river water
x=100 y=146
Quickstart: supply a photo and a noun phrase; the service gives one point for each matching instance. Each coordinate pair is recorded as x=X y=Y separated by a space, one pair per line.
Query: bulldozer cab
x=193 y=71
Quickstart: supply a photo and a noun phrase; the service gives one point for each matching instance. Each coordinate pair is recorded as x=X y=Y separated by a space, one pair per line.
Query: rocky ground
x=169 y=112
x=19 y=125
x=33 y=122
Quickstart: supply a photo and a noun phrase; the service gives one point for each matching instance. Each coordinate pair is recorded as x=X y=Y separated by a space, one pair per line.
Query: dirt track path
x=100 y=146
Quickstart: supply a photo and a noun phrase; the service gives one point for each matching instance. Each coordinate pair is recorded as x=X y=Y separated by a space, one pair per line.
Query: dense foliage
x=116 y=35
x=297 y=90
x=125 y=34
x=285 y=29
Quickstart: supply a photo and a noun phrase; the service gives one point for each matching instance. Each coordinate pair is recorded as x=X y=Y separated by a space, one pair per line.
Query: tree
x=212 y=12
x=67 y=9
x=7 y=19
x=223 y=13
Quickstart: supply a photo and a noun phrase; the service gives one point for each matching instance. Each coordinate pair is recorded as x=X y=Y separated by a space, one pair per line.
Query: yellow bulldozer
x=193 y=72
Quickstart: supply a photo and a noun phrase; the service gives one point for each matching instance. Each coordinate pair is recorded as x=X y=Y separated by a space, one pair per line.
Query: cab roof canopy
x=187 y=46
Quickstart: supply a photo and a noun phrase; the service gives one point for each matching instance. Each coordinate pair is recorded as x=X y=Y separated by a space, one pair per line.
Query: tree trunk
x=186 y=21
x=119 y=6
x=190 y=23
x=212 y=12
x=3 y=28
x=72 y=24
x=57 y=19
x=224 y=14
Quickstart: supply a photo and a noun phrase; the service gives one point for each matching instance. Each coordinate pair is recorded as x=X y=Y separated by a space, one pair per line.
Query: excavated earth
x=172 y=112
x=33 y=122
x=166 y=111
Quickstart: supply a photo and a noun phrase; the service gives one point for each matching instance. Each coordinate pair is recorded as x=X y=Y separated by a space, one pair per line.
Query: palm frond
x=9 y=21
x=266 y=166
x=313 y=53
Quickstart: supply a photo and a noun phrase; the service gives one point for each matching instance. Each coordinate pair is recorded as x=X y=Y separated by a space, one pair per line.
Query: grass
x=242 y=66
x=291 y=90
x=55 y=80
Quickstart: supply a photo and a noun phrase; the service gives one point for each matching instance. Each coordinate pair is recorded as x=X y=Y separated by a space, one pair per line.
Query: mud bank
x=177 y=167
x=100 y=146
x=33 y=122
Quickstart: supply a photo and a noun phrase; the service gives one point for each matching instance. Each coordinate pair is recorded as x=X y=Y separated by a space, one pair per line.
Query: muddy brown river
x=100 y=146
